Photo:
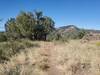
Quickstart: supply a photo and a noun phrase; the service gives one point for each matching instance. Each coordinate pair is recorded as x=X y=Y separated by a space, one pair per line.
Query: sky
x=82 y=13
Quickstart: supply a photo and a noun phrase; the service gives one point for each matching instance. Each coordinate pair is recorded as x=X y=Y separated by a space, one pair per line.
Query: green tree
x=29 y=25
x=12 y=30
x=44 y=25
x=2 y=37
x=25 y=22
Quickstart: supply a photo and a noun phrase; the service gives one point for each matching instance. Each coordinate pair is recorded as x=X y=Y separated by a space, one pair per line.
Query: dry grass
x=56 y=58
x=98 y=43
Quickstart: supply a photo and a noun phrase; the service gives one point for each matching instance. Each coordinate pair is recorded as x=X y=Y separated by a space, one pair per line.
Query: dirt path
x=50 y=51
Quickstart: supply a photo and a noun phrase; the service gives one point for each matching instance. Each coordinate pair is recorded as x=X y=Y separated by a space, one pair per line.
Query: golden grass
x=70 y=58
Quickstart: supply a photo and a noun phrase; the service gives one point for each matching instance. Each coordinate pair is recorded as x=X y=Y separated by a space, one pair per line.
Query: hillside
x=65 y=33
x=73 y=32
x=72 y=28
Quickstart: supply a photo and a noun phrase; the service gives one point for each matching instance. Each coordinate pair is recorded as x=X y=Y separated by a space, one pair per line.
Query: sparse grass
x=71 y=58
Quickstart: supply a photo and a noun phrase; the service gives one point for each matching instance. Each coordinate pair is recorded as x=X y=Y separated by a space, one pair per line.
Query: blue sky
x=82 y=13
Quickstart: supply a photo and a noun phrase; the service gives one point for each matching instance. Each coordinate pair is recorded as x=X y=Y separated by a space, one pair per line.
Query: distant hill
x=69 y=28
x=72 y=28
x=72 y=32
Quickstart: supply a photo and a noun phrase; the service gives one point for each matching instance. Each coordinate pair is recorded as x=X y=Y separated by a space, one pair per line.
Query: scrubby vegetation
x=32 y=45
x=10 y=48
x=3 y=37
x=73 y=58
x=64 y=35
x=32 y=26
x=36 y=26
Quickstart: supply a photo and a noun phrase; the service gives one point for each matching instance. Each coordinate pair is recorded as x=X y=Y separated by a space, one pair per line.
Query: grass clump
x=10 y=48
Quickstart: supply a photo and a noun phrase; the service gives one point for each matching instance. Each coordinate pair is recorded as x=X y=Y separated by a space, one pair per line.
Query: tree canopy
x=29 y=25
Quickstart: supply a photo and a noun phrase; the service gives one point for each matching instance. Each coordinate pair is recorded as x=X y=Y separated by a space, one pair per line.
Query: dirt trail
x=53 y=70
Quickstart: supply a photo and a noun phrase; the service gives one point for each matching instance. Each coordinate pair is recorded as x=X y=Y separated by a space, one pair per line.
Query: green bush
x=81 y=34
x=53 y=36
x=56 y=37
x=65 y=36
x=3 y=37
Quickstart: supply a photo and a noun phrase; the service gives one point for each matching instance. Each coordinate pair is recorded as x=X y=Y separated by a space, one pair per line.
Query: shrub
x=3 y=37
x=65 y=36
x=53 y=36
x=81 y=34
x=12 y=71
x=7 y=49
x=10 y=48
